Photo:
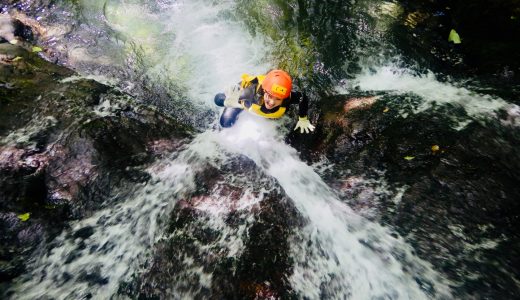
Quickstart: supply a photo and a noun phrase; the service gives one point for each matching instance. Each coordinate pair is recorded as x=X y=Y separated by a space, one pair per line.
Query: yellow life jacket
x=257 y=108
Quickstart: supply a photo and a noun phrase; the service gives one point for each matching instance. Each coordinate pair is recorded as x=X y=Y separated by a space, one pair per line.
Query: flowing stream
x=345 y=255
x=197 y=48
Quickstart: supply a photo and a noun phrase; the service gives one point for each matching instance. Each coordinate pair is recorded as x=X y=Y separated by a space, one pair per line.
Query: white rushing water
x=434 y=92
x=195 y=47
x=338 y=255
x=120 y=236
x=97 y=254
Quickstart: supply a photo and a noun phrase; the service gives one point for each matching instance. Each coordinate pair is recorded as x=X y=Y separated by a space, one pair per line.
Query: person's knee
x=229 y=116
x=227 y=122
x=219 y=99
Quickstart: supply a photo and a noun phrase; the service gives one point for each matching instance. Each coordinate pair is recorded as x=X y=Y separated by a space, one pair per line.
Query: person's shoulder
x=247 y=77
x=248 y=80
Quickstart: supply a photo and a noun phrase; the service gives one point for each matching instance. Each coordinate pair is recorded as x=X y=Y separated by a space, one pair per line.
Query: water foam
x=217 y=49
x=432 y=91
x=197 y=47
x=27 y=135
x=114 y=248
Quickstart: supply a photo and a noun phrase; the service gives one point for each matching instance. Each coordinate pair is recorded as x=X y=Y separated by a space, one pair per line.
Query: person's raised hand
x=304 y=124
x=232 y=96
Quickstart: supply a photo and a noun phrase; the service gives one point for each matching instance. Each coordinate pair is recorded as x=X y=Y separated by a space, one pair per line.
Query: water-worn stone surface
x=239 y=239
x=66 y=144
x=488 y=31
x=451 y=193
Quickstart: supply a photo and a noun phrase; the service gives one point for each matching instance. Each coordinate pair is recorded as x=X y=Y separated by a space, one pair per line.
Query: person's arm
x=243 y=94
x=303 y=107
x=248 y=96
x=232 y=97
x=302 y=101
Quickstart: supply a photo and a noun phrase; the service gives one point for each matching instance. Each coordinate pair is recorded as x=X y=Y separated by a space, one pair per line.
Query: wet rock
x=343 y=126
x=265 y=265
x=161 y=147
x=472 y=194
x=359 y=103
x=27 y=27
x=486 y=29
x=28 y=78
x=124 y=136
x=18 y=239
x=223 y=242
x=22 y=177
x=79 y=137
x=30 y=26
x=456 y=203
x=66 y=144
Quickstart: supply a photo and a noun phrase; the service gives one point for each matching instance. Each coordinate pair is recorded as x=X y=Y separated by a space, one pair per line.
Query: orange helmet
x=277 y=83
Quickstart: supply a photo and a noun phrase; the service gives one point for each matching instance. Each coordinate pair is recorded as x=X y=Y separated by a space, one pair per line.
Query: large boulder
x=66 y=144
x=228 y=240
x=451 y=191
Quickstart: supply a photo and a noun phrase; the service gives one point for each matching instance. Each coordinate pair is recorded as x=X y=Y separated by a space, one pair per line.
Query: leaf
x=17 y=58
x=386 y=109
x=454 y=37
x=409 y=157
x=36 y=49
x=24 y=217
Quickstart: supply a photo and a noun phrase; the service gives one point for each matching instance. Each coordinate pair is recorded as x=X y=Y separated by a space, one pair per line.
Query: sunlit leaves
x=454 y=37
x=24 y=217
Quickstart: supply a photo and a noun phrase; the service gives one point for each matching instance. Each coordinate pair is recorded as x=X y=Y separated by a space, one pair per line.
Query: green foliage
x=454 y=37
x=24 y=217
x=294 y=51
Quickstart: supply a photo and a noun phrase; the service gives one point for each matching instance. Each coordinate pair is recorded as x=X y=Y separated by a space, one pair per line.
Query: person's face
x=271 y=102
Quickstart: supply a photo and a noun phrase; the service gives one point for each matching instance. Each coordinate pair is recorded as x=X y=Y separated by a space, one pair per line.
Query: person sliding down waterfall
x=265 y=95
